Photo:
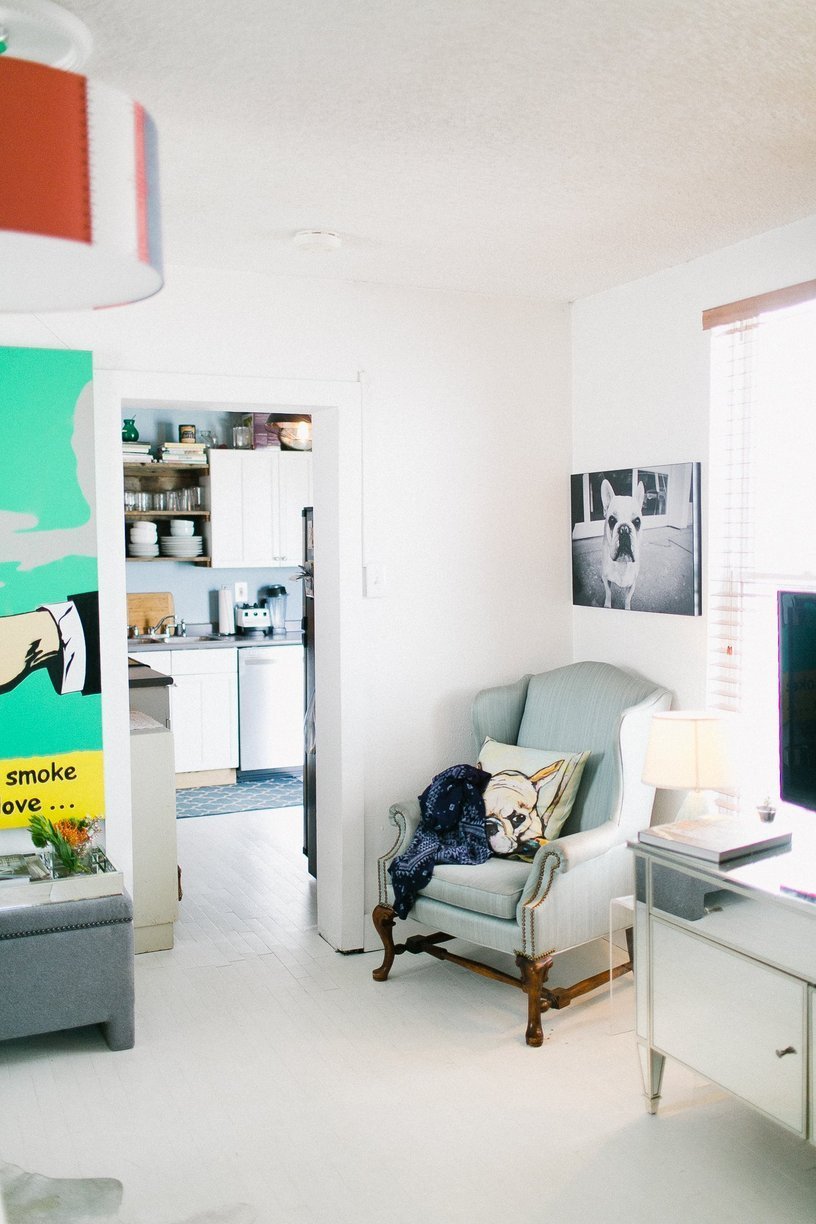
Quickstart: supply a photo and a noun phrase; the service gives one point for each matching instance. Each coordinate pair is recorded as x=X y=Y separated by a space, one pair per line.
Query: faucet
x=156 y=630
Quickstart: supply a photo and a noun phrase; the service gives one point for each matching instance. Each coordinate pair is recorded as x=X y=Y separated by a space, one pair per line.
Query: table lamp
x=688 y=750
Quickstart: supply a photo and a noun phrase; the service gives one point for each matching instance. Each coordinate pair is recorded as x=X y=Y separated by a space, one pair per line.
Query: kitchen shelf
x=202 y=561
x=167 y=478
x=166 y=514
x=139 y=469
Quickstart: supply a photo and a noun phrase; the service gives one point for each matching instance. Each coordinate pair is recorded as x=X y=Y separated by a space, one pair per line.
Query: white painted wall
x=641 y=396
x=466 y=457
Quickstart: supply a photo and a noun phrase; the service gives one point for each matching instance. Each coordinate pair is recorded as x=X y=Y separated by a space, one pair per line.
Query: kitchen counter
x=142 y=676
x=292 y=638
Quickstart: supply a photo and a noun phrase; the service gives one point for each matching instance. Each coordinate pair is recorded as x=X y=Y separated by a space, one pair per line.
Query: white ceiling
x=549 y=148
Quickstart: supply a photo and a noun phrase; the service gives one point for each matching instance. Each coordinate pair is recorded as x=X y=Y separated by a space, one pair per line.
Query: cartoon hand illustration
x=63 y=637
x=27 y=641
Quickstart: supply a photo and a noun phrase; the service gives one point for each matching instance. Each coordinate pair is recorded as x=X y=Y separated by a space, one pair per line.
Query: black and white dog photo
x=636 y=539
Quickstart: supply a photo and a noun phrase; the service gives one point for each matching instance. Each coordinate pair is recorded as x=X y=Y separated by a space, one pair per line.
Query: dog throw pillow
x=529 y=796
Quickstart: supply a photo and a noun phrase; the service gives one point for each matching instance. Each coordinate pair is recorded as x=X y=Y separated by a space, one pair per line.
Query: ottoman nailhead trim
x=59 y=930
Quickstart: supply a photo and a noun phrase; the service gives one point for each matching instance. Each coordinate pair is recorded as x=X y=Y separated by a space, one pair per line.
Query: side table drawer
x=726 y=1016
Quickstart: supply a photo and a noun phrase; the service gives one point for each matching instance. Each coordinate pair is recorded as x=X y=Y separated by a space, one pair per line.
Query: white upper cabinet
x=256 y=501
x=295 y=492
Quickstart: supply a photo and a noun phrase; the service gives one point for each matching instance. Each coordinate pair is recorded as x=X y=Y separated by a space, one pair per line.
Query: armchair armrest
x=553 y=925
x=588 y=844
x=406 y=817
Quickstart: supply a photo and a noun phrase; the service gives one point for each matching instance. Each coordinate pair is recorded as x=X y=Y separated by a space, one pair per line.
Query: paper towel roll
x=226 y=611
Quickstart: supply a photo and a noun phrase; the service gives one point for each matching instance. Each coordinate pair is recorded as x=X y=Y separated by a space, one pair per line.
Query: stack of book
x=136 y=452
x=184 y=452
x=715 y=840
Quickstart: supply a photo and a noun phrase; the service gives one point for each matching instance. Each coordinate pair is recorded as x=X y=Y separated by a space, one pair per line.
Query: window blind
x=762 y=443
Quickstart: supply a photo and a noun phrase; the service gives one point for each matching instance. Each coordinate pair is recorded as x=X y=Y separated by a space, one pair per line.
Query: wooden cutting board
x=146 y=609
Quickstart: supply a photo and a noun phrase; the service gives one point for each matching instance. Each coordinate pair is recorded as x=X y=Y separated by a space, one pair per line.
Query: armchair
x=561 y=900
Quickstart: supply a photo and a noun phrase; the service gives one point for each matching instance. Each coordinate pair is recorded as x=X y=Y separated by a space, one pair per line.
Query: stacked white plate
x=182 y=547
x=143 y=541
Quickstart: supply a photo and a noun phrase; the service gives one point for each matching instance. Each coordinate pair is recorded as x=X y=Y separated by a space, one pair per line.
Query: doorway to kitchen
x=216 y=601
x=335 y=410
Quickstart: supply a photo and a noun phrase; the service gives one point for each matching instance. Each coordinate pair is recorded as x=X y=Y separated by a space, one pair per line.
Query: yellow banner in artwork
x=65 y=784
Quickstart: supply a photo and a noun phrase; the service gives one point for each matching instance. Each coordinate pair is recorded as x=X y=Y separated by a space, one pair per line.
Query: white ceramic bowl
x=143 y=535
x=182 y=527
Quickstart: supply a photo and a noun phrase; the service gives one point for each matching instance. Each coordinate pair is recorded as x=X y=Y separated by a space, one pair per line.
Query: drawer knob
x=787 y=1050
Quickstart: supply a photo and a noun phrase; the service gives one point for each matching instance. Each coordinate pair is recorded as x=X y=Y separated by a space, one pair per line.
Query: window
x=762 y=525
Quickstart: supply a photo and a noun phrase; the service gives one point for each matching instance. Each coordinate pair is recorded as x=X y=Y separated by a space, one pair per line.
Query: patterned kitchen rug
x=284 y=790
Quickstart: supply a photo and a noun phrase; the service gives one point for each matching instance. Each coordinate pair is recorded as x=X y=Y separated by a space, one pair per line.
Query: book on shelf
x=185 y=448
x=136 y=448
x=712 y=839
x=15 y=867
x=138 y=458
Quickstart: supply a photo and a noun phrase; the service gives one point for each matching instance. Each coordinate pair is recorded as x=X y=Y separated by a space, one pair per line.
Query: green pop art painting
x=50 y=704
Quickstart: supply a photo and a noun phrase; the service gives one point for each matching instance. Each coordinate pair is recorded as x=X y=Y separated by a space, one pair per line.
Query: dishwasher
x=270 y=708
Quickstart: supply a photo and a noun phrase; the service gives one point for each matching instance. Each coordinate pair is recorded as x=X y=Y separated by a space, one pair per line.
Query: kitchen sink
x=144 y=639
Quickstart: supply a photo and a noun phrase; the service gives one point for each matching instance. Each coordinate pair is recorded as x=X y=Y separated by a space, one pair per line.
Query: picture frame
x=636 y=539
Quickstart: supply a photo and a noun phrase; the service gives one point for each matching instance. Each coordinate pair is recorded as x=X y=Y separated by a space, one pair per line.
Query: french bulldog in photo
x=511 y=818
x=621 y=548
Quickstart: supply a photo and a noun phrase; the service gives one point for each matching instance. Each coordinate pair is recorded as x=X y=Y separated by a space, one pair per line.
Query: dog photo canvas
x=636 y=539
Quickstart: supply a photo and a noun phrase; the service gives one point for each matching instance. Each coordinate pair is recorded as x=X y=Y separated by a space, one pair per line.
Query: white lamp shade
x=78 y=195
x=688 y=750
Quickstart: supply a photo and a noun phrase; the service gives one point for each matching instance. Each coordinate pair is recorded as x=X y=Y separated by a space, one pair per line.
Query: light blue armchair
x=561 y=900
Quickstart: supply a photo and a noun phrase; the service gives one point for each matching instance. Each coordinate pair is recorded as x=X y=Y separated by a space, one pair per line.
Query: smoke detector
x=319 y=241
x=42 y=31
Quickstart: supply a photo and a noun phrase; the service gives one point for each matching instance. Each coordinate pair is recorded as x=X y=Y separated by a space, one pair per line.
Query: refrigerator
x=309 y=725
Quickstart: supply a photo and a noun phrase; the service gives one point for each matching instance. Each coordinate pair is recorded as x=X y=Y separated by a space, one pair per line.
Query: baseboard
x=205 y=777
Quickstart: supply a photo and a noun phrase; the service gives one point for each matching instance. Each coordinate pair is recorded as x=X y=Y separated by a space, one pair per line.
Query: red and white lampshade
x=78 y=192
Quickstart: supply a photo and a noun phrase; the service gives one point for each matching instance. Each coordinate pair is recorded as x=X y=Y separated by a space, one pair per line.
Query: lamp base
x=698 y=805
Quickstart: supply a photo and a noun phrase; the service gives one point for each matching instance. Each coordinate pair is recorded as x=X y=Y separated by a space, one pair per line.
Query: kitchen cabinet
x=295 y=492
x=203 y=705
x=256 y=499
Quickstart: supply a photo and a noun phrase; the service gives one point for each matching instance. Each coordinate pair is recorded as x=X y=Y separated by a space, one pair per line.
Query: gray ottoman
x=67 y=964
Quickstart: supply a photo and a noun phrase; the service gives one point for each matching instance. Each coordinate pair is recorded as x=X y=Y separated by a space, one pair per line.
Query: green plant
x=70 y=838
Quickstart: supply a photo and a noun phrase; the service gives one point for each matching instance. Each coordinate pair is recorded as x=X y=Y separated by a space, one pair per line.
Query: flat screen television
x=797 y=697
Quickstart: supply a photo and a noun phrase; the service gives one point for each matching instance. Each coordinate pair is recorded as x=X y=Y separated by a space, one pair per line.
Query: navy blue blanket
x=451 y=830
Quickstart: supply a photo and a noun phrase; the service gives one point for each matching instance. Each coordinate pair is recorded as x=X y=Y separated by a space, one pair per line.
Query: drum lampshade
x=79 y=223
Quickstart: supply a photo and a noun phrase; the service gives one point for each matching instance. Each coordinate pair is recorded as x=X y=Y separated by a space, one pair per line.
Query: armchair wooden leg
x=533 y=976
x=384 y=918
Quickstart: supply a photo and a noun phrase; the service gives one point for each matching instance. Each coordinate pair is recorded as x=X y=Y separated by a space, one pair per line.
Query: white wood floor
x=273 y=1082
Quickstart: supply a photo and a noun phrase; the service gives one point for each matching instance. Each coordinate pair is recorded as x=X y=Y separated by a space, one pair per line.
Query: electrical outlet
x=242 y=592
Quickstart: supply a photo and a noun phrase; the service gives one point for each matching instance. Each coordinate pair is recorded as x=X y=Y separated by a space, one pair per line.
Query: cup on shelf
x=182 y=527
x=159 y=501
x=241 y=437
x=130 y=499
x=143 y=501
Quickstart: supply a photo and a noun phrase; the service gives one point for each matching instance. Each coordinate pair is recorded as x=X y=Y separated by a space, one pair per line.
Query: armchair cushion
x=494 y=888
x=529 y=796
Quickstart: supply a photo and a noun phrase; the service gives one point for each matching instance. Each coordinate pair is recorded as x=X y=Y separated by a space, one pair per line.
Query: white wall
x=466 y=457
x=641 y=396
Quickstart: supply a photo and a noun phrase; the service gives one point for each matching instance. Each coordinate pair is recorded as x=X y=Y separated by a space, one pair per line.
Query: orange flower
x=73 y=832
